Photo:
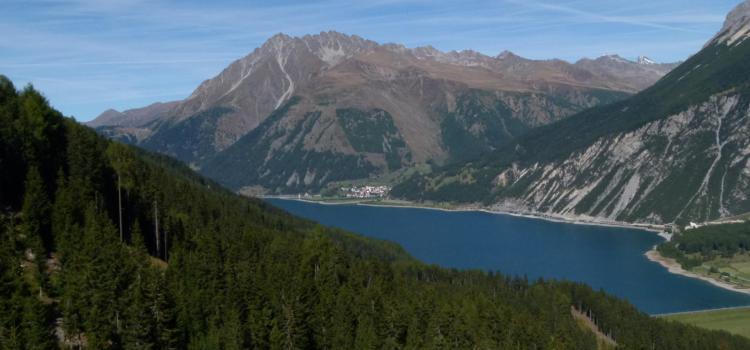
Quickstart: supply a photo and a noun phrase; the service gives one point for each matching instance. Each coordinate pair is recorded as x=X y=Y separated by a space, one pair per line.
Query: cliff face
x=692 y=165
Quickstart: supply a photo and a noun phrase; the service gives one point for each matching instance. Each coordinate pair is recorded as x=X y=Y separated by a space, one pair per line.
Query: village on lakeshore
x=365 y=191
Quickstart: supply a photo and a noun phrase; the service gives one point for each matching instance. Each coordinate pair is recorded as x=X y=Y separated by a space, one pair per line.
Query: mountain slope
x=195 y=266
x=237 y=99
x=676 y=151
x=445 y=107
x=314 y=135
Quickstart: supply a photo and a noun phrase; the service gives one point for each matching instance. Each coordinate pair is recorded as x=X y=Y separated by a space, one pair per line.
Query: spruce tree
x=139 y=323
x=105 y=279
x=37 y=325
x=36 y=214
x=164 y=313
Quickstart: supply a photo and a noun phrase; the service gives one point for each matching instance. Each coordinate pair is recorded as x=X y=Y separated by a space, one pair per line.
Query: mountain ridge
x=445 y=107
x=676 y=151
x=466 y=57
x=736 y=26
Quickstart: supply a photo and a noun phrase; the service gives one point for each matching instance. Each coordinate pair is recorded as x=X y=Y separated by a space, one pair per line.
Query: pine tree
x=139 y=323
x=164 y=312
x=11 y=160
x=259 y=322
x=234 y=334
x=121 y=158
x=277 y=339
x=36 y=214
x=65 y=218
x=366 y=334
x=39 y=127
x=9 y=285
x=137 y=241
x=105 y=279
x=37 y=325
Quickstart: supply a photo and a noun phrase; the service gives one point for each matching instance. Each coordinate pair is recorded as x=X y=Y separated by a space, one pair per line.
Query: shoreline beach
x=529 y=215
x=673 y=267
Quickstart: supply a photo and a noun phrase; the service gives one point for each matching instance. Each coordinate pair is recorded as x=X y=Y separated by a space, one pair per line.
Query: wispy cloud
x=111 y=63
x=661 y=21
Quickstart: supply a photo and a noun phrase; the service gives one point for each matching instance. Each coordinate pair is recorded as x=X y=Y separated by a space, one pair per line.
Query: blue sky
x=90 y=55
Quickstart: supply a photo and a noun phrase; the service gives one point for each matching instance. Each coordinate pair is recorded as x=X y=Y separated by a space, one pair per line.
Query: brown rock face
x=442 y=106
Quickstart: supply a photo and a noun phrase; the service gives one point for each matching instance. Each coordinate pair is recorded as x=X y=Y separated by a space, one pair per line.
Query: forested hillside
x=709 y=242
x=103 y=246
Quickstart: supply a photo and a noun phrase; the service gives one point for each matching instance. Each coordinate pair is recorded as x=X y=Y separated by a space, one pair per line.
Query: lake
x=610 y=258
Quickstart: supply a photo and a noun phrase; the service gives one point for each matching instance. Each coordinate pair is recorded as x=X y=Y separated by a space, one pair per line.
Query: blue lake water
x=602 y=257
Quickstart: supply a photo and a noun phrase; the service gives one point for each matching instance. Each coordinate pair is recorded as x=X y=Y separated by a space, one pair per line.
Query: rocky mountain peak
x=466 y=58
x=614 y=58
x=736 y=27
x=397 y=48
x=333 y=47
x=294 y=57
x=108 y=117
x=278 y=38
x=426 y=52
x=506 y=55
x=467 y=54
x=330 y=47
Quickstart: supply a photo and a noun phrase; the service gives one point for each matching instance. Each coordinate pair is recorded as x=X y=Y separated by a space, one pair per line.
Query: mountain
x=645 y=60
x=106 y=246
x=227 y=106
x=625 y=71
x=128 y=125
x=299 y=113
x=676 y=151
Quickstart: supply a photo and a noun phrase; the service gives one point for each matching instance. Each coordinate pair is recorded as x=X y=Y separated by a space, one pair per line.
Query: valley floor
x=732 y=320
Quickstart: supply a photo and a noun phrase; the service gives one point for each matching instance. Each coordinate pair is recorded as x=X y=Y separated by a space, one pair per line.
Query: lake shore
x=652 y=255
x=674 y=267
x=706 y=311
x=575 y=220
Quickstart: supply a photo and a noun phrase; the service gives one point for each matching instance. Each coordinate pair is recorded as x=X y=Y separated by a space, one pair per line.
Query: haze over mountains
x=678 y=151
x=349 y=108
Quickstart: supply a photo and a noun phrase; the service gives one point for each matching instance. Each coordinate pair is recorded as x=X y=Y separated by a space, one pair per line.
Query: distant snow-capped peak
x=645 y=60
